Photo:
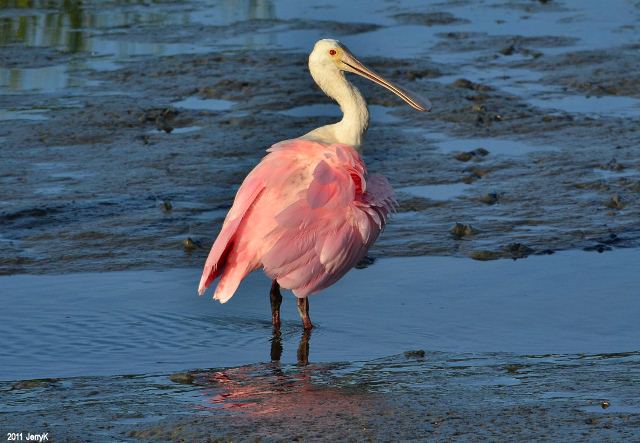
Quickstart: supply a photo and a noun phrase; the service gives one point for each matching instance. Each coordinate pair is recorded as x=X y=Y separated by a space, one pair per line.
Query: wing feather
x=328 y=230
x=307 y=213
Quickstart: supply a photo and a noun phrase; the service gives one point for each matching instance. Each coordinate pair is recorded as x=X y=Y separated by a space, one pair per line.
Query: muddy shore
x=137 y=154
x=445 y=397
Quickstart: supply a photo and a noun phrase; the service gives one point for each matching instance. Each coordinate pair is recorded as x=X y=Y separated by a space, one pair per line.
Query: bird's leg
x=303 y=309
x=276 y=301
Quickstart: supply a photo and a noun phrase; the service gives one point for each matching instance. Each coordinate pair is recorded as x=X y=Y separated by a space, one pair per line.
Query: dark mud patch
x=338 y=28
x=460 y=230
x=475 y=154
x=534 y=7
x=513 y=251
x=429 y=19
x=26 y=213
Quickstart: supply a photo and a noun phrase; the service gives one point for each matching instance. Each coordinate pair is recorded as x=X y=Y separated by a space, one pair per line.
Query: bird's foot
x=307 y=325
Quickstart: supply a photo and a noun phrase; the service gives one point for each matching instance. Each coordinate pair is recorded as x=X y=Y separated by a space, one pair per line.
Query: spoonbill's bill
x=308 y=212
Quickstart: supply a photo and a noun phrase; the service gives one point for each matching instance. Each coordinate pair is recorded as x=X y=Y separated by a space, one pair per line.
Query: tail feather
x=217 y=259
x=230 y=280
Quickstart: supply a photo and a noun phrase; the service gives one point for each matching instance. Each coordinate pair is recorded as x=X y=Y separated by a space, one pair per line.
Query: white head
x=330 y=58
x=328 y=62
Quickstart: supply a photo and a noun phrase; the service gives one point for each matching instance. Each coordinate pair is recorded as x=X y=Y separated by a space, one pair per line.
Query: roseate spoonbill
x=308 y=212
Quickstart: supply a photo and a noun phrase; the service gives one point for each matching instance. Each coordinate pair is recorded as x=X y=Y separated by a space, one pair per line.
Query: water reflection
x=225 y=12
x=70 y=25
x=303 y=347
x=46 y=79
x=73 y=26
x=265 y=389
x=257 y=386
x=63 y=25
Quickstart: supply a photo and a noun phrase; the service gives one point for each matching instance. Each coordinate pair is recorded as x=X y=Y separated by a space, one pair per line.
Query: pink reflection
x=264 y=390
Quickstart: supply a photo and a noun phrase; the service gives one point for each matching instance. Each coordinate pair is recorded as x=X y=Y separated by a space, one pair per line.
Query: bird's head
x=332 y=57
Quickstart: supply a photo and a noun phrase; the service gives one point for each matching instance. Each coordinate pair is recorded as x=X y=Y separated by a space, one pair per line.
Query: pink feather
x=306 y=214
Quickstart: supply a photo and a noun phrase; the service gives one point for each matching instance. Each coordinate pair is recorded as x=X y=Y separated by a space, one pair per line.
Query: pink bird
x=308 y=212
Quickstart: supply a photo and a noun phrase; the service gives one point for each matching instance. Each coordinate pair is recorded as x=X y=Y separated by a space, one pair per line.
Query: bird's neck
x=355 y=120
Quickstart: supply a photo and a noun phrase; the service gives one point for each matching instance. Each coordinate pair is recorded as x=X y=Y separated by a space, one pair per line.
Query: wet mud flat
x=122 y=147
x=412 y=396
x=538 y=349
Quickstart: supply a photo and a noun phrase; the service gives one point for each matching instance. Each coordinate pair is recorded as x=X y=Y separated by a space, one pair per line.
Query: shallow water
x=29 y=114
x=152 y=321
x=619 y=106
x=445 y=191
x=493 y=145
x=211 y=104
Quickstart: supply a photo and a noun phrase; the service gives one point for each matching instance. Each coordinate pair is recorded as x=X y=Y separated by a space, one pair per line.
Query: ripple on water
x=141 y=321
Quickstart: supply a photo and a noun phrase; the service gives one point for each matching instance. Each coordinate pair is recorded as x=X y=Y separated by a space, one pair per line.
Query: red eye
x=332 y=51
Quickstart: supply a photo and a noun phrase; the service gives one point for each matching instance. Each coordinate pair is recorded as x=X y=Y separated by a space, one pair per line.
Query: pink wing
x=305 y=214
x=330 y=227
